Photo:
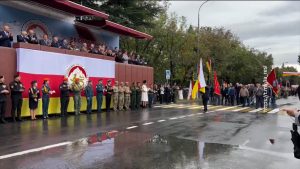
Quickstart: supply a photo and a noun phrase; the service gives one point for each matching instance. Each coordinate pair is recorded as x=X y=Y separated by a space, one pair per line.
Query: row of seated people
x=6 y=38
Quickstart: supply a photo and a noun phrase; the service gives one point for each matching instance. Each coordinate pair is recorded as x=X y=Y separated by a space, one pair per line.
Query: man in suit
x=23 y=37
x=6 y=37
x=55 y=42
x=93 y=49
x=65 y=44
x=32 y=37
x=45 y=41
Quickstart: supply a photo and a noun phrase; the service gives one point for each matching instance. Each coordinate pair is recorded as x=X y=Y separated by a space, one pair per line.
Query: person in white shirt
x=161 y=93
x=144 y=98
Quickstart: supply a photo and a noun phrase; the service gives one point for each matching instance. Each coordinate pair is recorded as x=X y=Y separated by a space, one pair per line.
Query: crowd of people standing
x=120 y=55
x=245 y=95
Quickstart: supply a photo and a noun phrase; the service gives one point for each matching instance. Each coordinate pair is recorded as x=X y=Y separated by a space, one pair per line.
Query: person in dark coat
x=64 y=97
x=231 y=94
x=205 y=98
x=93 y=49
x=65 y=44
x=99 y=90
x=23 y=37
x=6 y=37
x=168 y=94
x=108 y=93
x=16 y=88
x=138 y=95
x=89 y=93
x=133 y=96
x=32 y=38
x=34 y=95
x=45 y=41
x=55 y=42
x=3 y=98
x=237 y=90
x=46 y=90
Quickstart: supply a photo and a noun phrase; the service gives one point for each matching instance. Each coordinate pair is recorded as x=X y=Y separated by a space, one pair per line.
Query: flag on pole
x=195 y=90
x=201 y=79
x=217 y=85
x=273 y=81
x=190 y=90
x=208 y=65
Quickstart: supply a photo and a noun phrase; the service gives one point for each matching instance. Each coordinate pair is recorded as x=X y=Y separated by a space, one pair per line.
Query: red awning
x=79 y=10
x=72 y=8
x=119 y=29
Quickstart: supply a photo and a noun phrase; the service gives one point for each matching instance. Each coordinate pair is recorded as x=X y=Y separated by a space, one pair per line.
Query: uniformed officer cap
x=100 y=80
x=33 y=82
x=16 y=75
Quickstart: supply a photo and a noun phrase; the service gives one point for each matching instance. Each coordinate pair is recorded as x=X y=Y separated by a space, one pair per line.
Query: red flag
x=273 y=81
x=217 y=85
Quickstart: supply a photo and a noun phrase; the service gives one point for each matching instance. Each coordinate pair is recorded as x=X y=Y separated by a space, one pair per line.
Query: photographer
x=295 y=135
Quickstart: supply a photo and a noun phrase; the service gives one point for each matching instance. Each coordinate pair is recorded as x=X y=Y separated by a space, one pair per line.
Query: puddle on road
x=133 y=150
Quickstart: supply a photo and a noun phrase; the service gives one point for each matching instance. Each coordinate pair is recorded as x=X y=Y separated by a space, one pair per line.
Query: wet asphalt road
x=167 y=137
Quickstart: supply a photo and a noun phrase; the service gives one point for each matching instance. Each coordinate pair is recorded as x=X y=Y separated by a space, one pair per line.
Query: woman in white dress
x=180 y=93
x=144 y=98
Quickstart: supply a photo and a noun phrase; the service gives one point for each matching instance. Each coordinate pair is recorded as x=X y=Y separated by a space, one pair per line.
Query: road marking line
x=199 y=113
x=146 y=124
x=255 y=110
x=274 y=111
x=244 y=108
x=35 y=150
x=161 y=121
x=173 y=118
x=180 y=117
x=191 y=115
x=226 y=108
x=131 y=127
x=246 y=142
x=273 y=153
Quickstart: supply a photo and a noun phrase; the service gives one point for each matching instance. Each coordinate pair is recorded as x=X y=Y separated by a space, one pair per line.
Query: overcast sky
x=271 y=26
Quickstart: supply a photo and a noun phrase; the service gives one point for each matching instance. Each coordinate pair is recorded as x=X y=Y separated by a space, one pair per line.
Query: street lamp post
x=198 y=32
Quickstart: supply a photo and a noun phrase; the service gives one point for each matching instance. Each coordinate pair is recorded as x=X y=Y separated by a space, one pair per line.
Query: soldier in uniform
x=138 y=89
x=46 y=97
x=64 y=97
x=108 y=93
x=17 y=89
x=3 y=97
x=89 y=93
x=127 y=95
x=133 y=96
x=116 y=95
x=99 y=90
x=76 y=89
x=121 y=96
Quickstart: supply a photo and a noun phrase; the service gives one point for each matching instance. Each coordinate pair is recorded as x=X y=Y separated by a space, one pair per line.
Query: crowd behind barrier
x=120 y=55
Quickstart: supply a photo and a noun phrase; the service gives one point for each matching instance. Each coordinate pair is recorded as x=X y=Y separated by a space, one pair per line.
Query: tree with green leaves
x=131 y=13
x=174 y=44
